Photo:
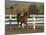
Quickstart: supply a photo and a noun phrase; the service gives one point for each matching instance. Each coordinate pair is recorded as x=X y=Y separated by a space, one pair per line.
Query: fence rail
x=32 y=20
x=29 y=20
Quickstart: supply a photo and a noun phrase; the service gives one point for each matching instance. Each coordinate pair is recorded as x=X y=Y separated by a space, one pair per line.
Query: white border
x=2 y=14
x=2 y=18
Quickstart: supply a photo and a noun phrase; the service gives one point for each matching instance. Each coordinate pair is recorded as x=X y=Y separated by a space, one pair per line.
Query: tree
x=33 y=9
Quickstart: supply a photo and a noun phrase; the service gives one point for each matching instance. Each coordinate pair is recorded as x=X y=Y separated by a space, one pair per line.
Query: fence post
x=34 y=22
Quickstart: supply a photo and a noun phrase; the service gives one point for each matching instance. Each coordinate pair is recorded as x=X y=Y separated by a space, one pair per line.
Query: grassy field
x=16 y=30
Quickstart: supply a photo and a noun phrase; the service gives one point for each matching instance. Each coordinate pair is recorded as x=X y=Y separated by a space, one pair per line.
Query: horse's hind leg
x=26 y=25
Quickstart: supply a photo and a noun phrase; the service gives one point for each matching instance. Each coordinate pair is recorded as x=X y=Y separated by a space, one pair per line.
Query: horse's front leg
x=21 y=25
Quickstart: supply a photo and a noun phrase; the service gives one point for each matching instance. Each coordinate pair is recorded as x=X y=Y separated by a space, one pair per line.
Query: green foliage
x=33 y=9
